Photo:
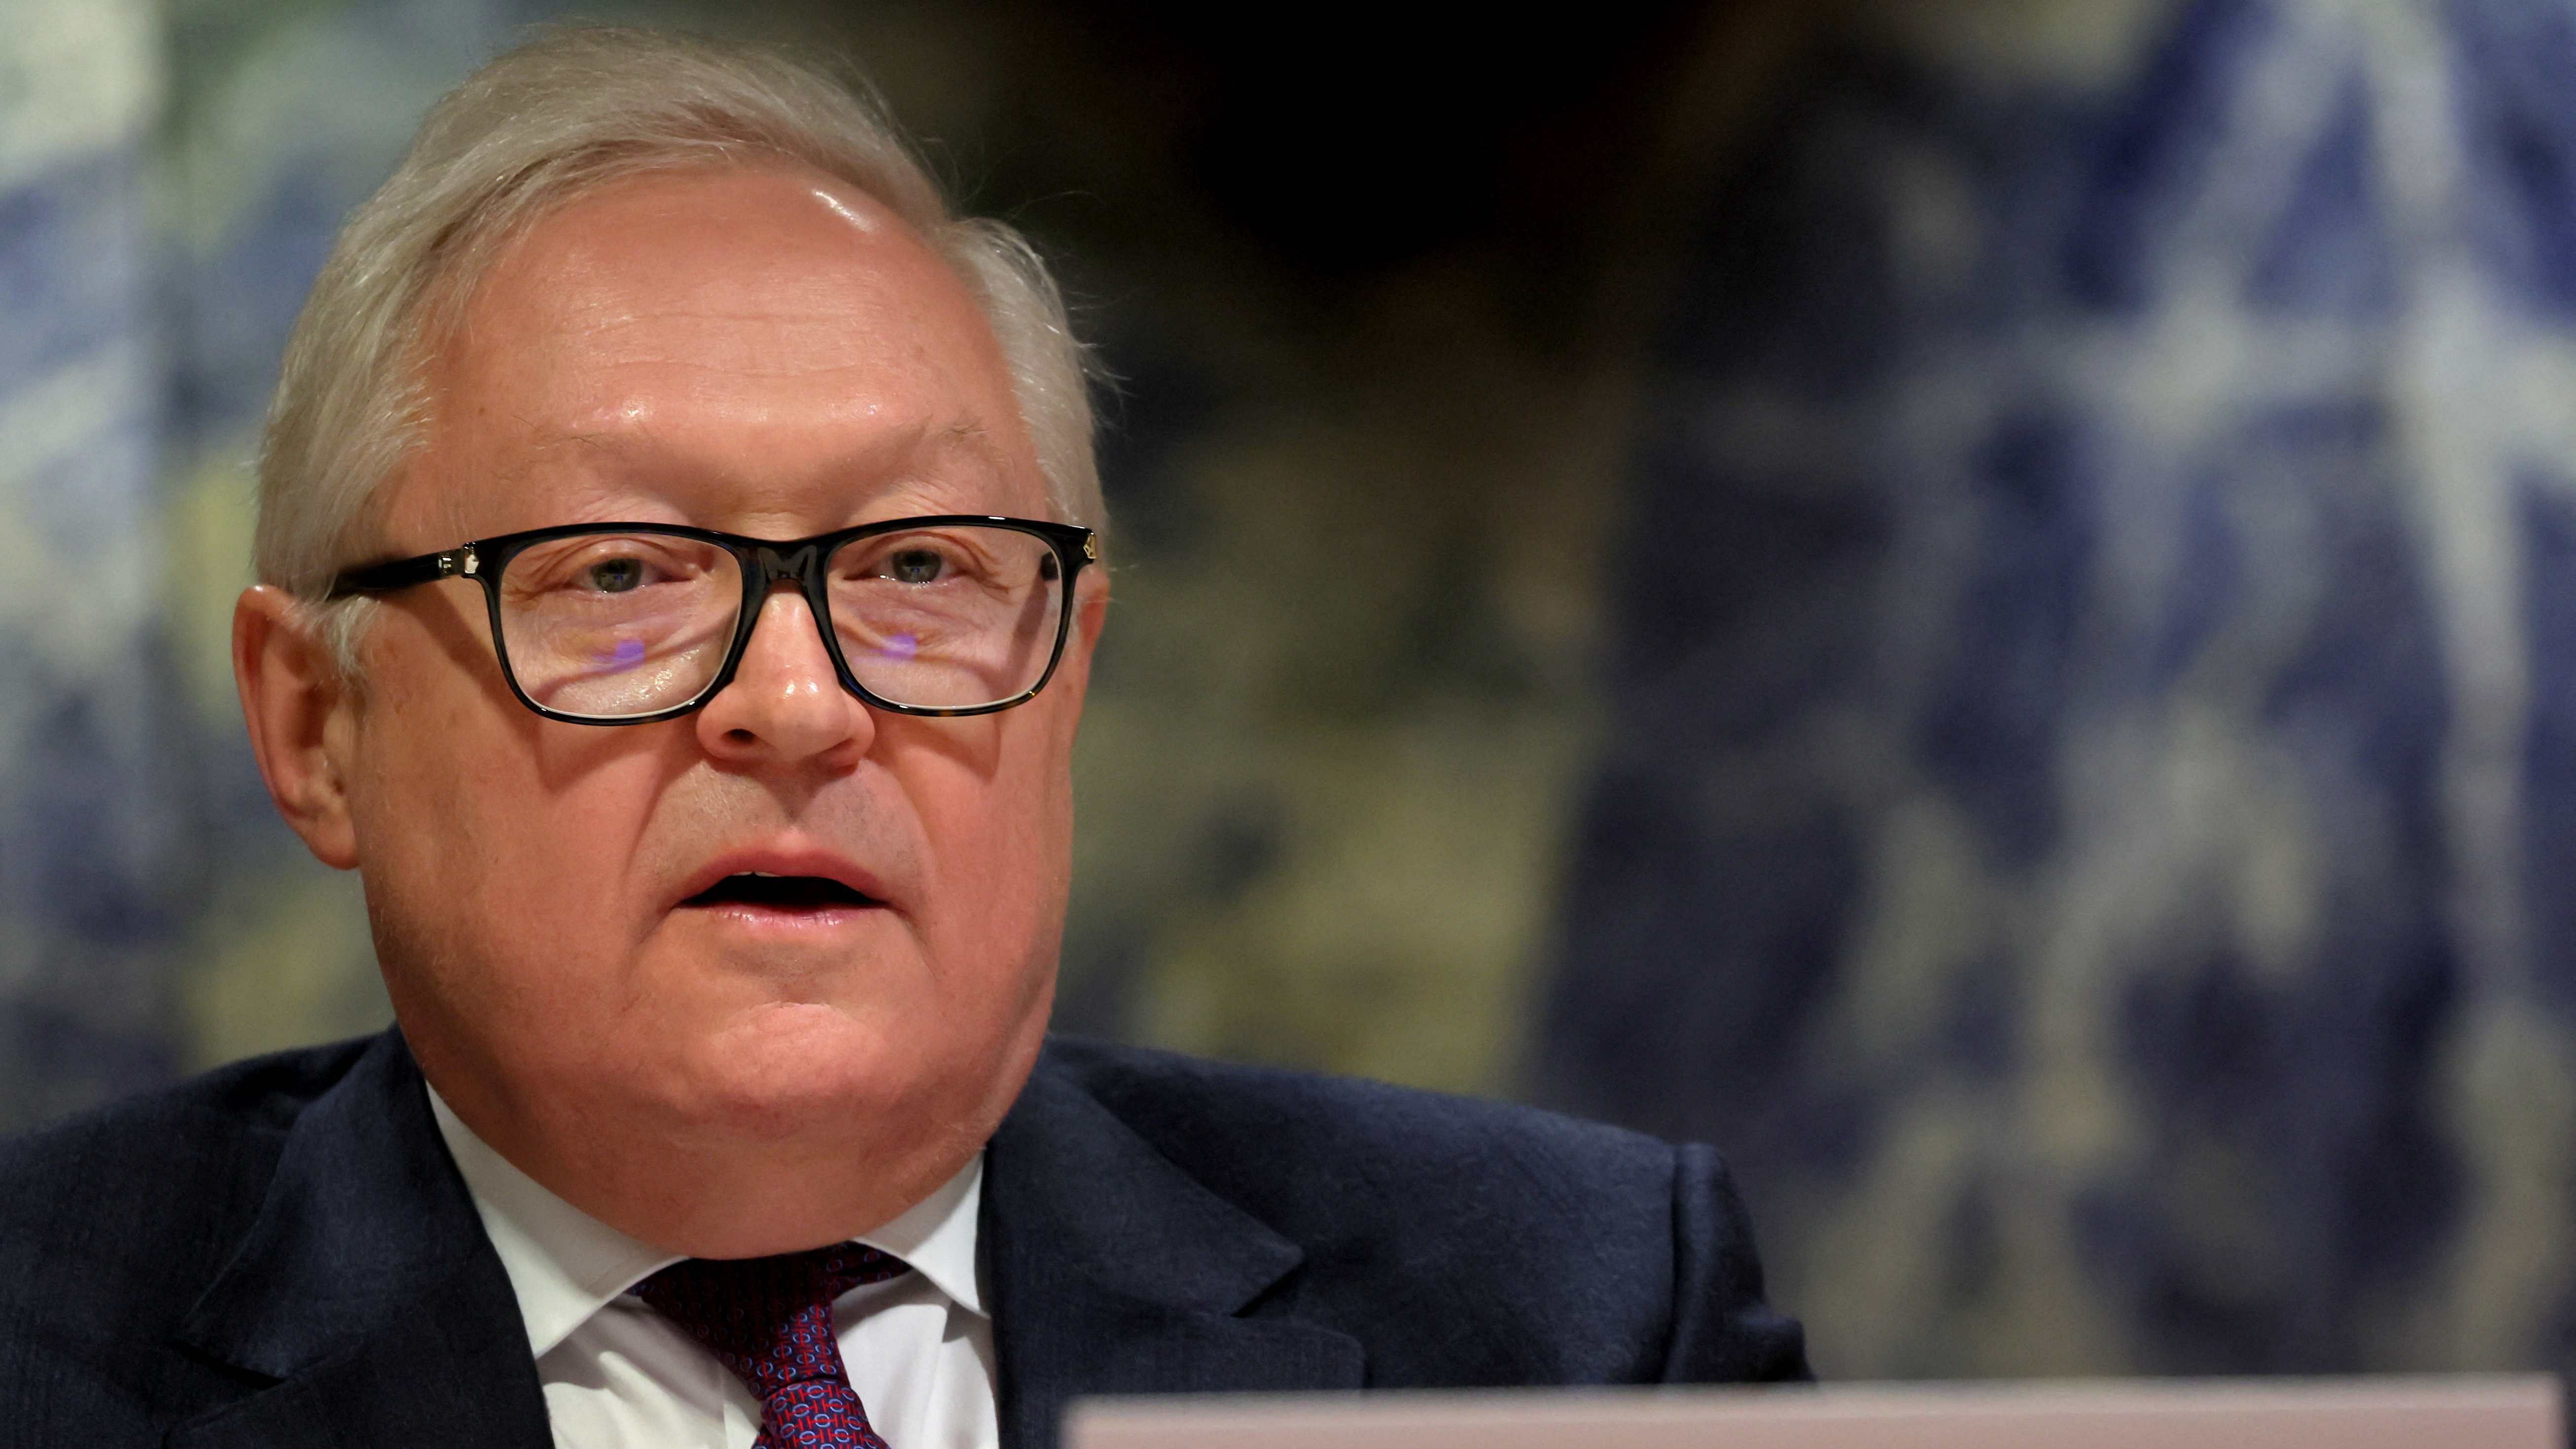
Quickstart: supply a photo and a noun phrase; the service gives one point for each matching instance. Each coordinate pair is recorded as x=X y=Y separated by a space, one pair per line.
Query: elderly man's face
x=766 y=352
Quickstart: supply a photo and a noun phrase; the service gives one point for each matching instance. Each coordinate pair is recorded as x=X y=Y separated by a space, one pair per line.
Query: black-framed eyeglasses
x=628 y=623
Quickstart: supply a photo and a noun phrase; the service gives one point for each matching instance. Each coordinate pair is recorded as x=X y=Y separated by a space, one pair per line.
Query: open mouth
x=781 y=893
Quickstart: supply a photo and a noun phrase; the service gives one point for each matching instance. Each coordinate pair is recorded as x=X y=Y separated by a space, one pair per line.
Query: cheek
x=1000 y=843
x=491 y=865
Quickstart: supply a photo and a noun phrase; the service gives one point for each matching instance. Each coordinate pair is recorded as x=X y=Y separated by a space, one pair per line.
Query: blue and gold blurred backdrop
x=1974 y=600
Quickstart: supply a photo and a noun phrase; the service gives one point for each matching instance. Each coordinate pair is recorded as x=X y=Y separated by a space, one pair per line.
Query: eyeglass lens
x=614 y=625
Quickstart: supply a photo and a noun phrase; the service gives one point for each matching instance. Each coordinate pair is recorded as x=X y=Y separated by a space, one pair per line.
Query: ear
x=300 y=712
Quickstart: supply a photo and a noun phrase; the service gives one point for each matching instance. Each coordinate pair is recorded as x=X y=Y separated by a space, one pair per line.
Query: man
x=679 y=553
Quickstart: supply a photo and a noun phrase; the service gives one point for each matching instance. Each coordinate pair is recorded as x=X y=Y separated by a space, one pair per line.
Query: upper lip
x=783 y=859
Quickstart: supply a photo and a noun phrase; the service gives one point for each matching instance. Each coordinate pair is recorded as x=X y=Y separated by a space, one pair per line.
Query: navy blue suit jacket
x=281 y=1254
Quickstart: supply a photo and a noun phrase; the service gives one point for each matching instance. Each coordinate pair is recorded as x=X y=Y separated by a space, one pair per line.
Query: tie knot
x=768 y=1319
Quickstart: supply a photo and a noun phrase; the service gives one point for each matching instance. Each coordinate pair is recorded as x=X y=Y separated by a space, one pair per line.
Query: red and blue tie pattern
x=770 y=1321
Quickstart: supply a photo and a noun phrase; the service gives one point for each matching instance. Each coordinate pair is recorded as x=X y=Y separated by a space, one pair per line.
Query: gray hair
x=566 y=113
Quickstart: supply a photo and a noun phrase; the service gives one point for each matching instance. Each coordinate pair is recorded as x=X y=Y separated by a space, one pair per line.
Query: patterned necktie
x=770 y=1321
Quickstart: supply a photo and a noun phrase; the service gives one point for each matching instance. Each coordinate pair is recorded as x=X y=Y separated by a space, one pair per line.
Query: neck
x=699 y=1192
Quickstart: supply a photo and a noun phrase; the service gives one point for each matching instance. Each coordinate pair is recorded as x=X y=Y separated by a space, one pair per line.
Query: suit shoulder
x=131 y=1199
x=1279 y=1135
x=261 y=1096
x=1462 y=1242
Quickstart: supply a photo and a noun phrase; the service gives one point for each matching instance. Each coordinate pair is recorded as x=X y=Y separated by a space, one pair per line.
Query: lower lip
x=793 y=919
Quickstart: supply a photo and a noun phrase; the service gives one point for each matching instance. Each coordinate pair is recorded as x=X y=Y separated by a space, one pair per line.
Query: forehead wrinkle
x=780 y=321
x=734 y=360
x=862 y=347
x=638 y=454
x=895 y=443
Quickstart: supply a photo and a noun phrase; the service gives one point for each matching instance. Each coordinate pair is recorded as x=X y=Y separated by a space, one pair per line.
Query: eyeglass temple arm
x=405 y=572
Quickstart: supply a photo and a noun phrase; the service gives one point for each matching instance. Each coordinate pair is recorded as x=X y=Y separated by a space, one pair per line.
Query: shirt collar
x=566 y=1265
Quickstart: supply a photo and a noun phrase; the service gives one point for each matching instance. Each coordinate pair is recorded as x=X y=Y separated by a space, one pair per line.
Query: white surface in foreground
x=2403 y=1413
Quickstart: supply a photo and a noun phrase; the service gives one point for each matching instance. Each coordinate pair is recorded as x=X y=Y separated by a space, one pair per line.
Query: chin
x=795 y=1068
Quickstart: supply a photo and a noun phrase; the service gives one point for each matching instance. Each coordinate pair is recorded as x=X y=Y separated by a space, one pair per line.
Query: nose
x=784 y=702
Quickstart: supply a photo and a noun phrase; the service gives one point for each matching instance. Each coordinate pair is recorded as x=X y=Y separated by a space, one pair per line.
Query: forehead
x=718 y=343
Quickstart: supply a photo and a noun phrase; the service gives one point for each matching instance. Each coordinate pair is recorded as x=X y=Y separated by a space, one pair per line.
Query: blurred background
x=1973 y=600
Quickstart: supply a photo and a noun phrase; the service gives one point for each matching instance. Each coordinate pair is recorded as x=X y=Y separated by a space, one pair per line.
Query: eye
x=614 y=576
x=915 y=566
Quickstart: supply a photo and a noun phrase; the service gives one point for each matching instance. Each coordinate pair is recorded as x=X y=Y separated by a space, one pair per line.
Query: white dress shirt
x=919 y=1346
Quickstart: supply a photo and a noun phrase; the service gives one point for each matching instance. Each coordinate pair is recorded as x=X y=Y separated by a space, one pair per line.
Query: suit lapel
x=1110 y=1271
x=367 y=1290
